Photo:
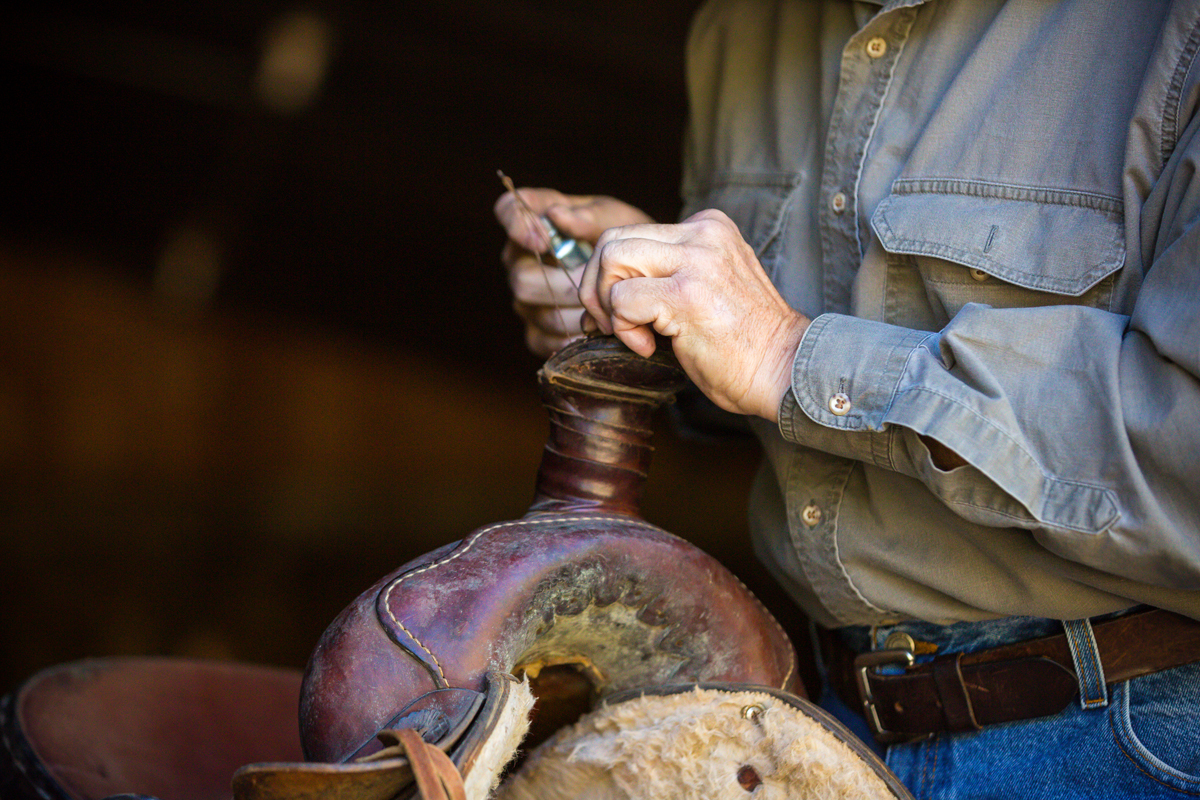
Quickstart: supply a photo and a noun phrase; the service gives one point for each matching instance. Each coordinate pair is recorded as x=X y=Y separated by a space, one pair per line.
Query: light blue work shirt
x=990 y=210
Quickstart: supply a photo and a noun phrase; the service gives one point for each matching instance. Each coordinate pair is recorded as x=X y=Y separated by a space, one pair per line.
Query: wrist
x=777 y=368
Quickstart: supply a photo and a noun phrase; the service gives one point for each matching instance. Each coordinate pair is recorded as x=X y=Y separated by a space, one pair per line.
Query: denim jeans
x=1144 y=743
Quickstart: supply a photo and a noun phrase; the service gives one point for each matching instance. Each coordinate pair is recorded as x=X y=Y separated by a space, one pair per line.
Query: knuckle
x=607 y=253
x=619 y=293
x=708 y=226
x=690 y=294
x=710 y=216
x=716 y=224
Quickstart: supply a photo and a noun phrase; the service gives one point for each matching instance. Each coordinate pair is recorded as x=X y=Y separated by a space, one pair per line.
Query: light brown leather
x=437 y=777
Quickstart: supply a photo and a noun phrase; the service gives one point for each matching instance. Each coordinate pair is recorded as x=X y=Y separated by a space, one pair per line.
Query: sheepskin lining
x=502 y=744
x=696 y=745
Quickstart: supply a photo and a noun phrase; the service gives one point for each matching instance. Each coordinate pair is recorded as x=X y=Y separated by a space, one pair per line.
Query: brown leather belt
x=1023 y=680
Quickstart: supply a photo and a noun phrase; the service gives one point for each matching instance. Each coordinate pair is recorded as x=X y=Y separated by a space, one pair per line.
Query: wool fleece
x=703 y=744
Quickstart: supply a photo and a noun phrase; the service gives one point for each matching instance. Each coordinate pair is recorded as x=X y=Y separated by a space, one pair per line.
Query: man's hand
x=699 y=283
x=538 y=288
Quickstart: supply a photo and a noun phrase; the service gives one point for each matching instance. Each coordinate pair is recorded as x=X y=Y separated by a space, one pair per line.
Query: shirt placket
x=817 y=481
x=867 y=65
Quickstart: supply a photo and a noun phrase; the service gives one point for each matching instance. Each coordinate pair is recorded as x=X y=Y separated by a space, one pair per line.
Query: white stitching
x=470 y=543
x=474 y=538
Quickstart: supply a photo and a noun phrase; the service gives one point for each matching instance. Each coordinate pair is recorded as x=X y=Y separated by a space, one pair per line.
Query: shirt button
x=876 y=46
x=810 y=515
x=839 y=404
x=838 y=202
x=979 y=275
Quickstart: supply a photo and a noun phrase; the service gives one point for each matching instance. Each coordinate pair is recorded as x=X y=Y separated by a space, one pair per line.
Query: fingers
x=579 y=216
x=548 y=328
x=536 y=283
x=645 y=306
x=653 y=251
x=546 y=297
x=544 y=345
x=700 y=284
x=588 y=217
x=552 y=320
x=522 y=226
x=624 y=259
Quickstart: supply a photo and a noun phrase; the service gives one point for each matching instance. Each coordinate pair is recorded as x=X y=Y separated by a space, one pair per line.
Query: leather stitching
x=461 y=551
x=475 y=537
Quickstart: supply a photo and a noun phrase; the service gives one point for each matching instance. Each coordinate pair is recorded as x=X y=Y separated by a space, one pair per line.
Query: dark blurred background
x=255 y=340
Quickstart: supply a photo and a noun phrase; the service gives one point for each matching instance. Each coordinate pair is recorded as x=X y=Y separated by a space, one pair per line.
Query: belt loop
x=1093 y=693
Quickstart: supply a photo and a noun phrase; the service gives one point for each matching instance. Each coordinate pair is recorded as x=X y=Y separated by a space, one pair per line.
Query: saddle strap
x=437 y=777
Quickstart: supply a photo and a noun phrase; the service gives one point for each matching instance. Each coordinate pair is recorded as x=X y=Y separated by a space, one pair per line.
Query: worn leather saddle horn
x=425 y=686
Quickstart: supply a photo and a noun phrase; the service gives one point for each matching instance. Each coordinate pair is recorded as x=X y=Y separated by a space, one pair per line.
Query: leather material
x=580 y=580
x=425 y=660
x=436 y=776
x=952 y=694
x=1022 y=680
x=389 y=773
x=159 y=727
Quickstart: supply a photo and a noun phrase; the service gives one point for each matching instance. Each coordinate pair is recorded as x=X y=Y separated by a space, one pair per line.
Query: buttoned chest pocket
x=1033 y=248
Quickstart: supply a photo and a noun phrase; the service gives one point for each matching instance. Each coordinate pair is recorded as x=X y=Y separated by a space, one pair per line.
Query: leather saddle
x=639 y=656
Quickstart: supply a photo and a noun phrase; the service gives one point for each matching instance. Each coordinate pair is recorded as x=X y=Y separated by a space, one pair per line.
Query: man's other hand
x=544 y=296
x=700 y=284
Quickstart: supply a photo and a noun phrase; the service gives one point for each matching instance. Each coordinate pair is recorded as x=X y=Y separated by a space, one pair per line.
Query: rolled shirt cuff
x=845 y=377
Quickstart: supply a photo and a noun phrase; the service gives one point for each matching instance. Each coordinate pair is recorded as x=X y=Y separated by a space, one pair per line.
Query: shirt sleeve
x=1078 y=424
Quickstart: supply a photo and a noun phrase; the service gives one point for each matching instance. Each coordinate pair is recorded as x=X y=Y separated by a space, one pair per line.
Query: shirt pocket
x=756 y=202
x=1004 y=246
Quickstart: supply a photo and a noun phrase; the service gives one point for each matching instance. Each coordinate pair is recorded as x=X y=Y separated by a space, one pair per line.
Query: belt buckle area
x=863 y=664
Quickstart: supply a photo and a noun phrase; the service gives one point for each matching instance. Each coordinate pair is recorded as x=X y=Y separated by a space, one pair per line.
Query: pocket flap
x=1050 y=241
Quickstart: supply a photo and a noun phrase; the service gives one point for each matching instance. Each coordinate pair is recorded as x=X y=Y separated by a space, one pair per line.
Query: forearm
x=1067 y=420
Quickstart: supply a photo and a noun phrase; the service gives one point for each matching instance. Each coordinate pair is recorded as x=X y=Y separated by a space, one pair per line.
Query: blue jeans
x=1143 y=743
